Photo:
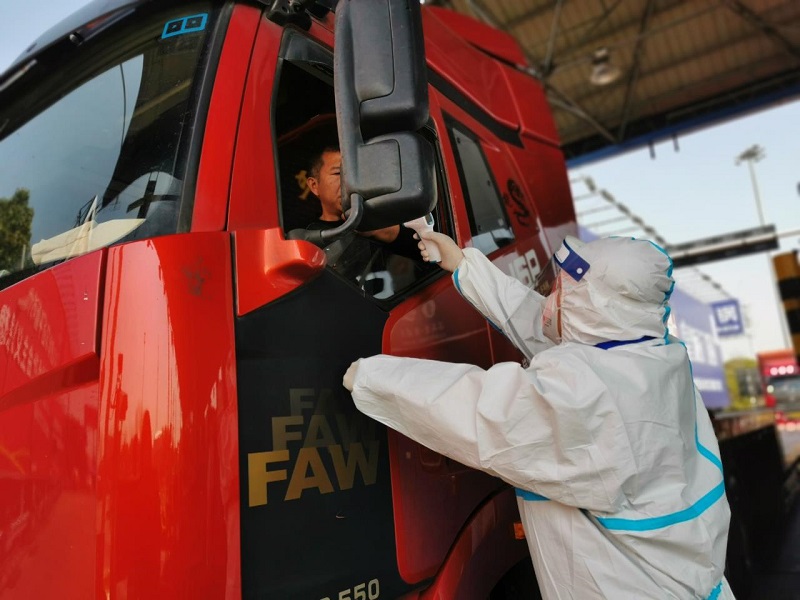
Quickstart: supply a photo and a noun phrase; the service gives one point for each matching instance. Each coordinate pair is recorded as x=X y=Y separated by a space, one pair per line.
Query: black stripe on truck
x=316 y=504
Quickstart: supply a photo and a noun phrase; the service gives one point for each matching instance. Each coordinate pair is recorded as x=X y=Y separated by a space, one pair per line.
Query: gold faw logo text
x=321 y=445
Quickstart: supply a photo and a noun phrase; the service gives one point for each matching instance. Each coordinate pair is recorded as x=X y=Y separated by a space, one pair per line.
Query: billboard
x=691 y=322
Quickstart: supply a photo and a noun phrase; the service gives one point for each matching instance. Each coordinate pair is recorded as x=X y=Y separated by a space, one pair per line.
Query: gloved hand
x=350 y=377
x=449 y=250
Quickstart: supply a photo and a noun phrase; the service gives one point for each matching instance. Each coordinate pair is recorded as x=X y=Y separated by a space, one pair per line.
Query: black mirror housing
x=388 y=53
x=381 y=92
x=396 y=174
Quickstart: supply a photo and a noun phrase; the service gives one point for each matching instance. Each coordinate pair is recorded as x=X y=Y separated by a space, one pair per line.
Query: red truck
x=172 y=420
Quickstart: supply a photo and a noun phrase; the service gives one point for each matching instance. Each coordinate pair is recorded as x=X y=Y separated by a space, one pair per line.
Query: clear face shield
x=562 y=272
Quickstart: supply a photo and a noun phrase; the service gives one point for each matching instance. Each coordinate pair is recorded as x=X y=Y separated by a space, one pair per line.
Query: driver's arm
x=386 y=235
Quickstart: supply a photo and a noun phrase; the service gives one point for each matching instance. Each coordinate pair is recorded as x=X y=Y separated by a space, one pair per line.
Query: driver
x=354 y=254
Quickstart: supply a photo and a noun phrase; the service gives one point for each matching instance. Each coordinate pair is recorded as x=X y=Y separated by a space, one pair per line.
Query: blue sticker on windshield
x=185 y=25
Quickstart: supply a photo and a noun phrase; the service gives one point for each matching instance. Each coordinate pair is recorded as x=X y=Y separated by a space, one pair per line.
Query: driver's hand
x=450 y=252
x=386 y=235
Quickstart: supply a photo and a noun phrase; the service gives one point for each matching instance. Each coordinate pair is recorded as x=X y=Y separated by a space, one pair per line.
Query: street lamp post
x=753 y=154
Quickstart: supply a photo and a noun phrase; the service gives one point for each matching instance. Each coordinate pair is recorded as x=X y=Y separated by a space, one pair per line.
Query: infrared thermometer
x=426 y=224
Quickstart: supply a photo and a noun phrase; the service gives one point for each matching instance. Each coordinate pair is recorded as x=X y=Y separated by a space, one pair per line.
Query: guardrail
x=753 y=466
x=731 y=424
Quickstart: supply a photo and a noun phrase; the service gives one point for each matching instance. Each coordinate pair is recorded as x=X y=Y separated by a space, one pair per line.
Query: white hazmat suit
x=604 y=436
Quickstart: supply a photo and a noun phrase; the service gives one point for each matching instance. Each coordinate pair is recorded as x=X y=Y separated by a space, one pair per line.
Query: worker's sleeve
x=507 y=303
x=497 y=421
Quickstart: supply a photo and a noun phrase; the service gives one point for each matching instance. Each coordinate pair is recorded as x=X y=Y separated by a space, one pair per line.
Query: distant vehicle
x=780 y=374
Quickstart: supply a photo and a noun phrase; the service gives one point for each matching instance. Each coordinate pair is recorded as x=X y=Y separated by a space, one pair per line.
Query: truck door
x=313 y=468
x=316 y=498
x=491 y=199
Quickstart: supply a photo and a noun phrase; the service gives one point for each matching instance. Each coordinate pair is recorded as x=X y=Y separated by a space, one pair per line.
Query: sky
x=23 y=21
x=698 y=191
x=686 y=194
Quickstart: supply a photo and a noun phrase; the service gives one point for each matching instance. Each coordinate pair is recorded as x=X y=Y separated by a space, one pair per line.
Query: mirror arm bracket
x=323 y=237
x=296 y=12
x=354 y=216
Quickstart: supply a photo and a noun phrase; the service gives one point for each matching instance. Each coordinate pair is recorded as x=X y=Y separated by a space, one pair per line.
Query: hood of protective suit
x=622 y=296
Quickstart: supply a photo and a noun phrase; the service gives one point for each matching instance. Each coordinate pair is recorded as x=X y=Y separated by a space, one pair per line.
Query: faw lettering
x=321 y=452
x=366 y=463
x=319 y=432
x=259 y=474
x=281 y=435
x=309 y=471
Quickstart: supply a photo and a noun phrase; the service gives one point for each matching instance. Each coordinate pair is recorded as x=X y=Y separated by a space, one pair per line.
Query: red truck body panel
x=168 y=419
x=49 y=402
x=214 y=177
x=50 y=331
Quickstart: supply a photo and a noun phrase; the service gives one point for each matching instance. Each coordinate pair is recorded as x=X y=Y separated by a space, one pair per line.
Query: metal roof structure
x=679 y=64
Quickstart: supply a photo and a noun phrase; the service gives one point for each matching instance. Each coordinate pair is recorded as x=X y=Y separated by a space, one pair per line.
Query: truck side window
x=305 y=124
x=488 y=221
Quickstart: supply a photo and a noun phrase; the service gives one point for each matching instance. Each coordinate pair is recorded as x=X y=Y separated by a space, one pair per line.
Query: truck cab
x=172 y=419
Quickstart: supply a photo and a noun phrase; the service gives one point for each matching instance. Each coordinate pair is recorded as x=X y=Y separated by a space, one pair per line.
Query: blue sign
x=728 y=317
x=692 y=324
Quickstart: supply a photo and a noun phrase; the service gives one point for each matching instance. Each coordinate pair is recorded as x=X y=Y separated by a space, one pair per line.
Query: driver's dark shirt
x=354 y=255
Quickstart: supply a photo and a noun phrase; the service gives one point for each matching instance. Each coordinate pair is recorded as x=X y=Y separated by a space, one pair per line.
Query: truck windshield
x=94 y=141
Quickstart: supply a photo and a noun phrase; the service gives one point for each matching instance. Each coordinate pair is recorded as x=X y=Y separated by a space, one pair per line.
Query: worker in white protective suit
x=604 y=435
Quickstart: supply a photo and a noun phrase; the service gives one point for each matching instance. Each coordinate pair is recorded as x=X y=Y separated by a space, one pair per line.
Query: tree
x=15 y=230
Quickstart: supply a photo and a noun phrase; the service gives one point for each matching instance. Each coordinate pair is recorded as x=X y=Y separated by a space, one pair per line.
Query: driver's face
x=327 y=187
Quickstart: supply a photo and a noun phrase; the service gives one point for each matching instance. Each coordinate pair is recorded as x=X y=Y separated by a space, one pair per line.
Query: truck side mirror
x=381 y=90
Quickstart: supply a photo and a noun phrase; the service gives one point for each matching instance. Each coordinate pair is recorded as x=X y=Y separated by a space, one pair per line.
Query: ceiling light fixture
x=603 y=72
